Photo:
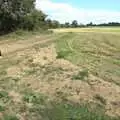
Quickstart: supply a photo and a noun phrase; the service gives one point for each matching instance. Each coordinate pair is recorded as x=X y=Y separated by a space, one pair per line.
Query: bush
x=35 y=20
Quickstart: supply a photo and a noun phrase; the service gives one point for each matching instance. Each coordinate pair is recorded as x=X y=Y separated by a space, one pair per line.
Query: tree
x=34 y=20
x=49 y=23
x=52 y=23
x=90 y=24
x=67 y=25
x=74 y=23
x=13 y=11
x=55 y=24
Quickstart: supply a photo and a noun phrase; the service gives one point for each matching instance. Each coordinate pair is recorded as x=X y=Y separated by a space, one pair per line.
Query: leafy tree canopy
x=17 y=13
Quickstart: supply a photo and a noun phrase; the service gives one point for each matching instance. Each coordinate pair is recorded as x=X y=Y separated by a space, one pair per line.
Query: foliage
x=34 y=20
x=52 y=23
x=16 y=14
x=67 y=25
x=74 y=24
x=12 y=12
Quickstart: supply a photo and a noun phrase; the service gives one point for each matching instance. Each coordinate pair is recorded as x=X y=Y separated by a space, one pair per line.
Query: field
x=98 y=52
x=71 y=74
x=90 y=29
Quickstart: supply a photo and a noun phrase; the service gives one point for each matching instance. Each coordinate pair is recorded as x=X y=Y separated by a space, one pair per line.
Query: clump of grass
x=45 y=58
x=100 y=98
x=30 y=60
x=4 y=96
x=7 y=82
x=37 y=48
x=2 y=108
x=10 y=117
x=19 y=32
x=3 y=72
x=30 y=71
x=32 y=97
x=81 y=75
x=64 y=111
x=62 y=54
x=37 y=101
x=16 y=79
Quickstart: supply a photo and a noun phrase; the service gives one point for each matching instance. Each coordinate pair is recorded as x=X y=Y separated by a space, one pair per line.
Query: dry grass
x=92 y=29
x=97 y=52
x=35 y=84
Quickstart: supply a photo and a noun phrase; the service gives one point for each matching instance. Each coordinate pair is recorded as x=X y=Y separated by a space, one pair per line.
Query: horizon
x=84 y=11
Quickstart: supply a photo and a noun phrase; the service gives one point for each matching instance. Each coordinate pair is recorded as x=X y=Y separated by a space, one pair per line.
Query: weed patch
x=10 y=117
x=2 y=108
x=73 y=112
x=2 y=73
x=82 y=75
x=100 y=98
x=32 y=97
x=62 y=54
x=4 y=96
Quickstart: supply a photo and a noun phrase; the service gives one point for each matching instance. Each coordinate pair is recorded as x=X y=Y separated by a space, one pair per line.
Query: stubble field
x=71 y=74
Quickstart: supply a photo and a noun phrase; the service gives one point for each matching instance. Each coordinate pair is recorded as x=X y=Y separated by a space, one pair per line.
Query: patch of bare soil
x=16 y=97
x=48 y=55
x=45 y=56
x=13 y=71
x=11 y=47
x=109 y=92
x=57 y=81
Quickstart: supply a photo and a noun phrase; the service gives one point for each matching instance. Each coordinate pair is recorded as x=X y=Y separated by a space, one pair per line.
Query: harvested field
x=60 y=76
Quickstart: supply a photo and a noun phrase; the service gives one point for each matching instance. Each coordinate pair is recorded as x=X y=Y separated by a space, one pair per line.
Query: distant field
x=97 y=52
x=92 y=29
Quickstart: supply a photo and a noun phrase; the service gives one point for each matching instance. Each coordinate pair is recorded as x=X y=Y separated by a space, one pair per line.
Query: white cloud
x=64 y=12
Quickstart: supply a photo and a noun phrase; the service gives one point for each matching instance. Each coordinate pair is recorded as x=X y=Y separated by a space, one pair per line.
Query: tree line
x=75 y=24
x=22 y=14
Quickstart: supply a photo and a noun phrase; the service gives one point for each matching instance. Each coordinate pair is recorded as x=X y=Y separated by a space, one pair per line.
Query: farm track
x=10 y=48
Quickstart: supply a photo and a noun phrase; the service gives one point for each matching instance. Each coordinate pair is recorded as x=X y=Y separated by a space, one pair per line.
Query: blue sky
x=113 y=5
x=84 y=11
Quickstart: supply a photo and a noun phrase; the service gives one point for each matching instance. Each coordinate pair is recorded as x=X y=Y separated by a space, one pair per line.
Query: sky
x=84 y=11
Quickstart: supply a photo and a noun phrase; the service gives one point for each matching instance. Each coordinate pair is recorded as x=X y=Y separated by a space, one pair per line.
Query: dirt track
x=14 y=46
